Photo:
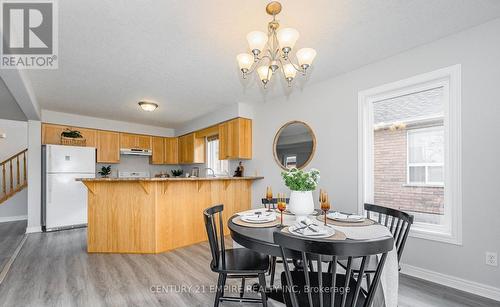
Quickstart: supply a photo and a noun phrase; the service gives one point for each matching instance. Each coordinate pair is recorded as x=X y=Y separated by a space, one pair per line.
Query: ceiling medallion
x=272 y=51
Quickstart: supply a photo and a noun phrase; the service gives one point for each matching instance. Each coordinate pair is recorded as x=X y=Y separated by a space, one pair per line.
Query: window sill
x=423 y=232
x=422 y=185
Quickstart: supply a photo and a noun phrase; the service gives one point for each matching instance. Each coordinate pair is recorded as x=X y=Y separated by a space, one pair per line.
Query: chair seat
x=371 y=266
x=242 y=261
x=298 y=280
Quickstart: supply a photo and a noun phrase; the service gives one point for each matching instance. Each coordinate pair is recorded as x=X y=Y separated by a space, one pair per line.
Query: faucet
x=210 y=169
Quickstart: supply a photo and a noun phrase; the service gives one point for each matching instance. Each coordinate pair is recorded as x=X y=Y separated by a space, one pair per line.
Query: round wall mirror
x=294 y=145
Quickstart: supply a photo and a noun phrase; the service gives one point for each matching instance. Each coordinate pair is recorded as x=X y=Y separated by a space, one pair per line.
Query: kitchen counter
x=154 y=215
x=168 y=179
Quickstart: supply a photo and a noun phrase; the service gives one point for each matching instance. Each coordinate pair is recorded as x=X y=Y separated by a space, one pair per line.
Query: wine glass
x=325 y=205
x=281 y=205
x=269 y=196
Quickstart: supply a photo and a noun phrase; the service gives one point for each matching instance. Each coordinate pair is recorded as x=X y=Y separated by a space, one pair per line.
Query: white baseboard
x=452 y=282
x=34 y=229
x=13 y=218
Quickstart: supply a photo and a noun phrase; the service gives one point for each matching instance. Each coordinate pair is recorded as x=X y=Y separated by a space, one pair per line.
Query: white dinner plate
x=329 y=232
x=258 y=219
x=349 y=219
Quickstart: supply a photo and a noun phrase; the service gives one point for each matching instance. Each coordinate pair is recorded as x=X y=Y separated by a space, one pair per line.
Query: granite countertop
x=169 y=179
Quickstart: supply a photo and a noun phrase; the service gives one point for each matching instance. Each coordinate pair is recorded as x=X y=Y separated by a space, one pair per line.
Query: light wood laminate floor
x=11 y=235
x=54 y=269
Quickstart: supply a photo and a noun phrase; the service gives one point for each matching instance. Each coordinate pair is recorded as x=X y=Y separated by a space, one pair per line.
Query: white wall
x=17 y=140
x=34 y=176
x=330 y=108
x=101 y=123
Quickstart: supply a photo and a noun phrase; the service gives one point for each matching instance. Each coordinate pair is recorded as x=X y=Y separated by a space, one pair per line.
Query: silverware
x=309 y=226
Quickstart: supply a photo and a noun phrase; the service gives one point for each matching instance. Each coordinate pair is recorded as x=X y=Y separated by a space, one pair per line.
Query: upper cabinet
x=158 y=147
x=128 y=140
x=235 y=139
x=171 y=150
x=108 y=147
x=51 y=134
x=191 y=149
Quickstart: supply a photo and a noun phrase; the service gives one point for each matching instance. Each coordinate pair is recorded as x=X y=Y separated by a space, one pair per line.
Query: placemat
x=366 y=222
x=237 y=220
x=338 y=236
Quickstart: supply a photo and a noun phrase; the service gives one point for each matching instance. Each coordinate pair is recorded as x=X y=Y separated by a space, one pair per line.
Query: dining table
x=260 y=239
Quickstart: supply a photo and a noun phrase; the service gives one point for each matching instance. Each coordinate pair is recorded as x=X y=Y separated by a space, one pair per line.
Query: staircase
x=14 y=176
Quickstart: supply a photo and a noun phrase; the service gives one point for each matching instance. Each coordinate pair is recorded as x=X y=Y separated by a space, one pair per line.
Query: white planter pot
x=301 y=204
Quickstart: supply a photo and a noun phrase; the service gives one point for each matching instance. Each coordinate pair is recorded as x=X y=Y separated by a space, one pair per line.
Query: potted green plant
x=105 y=171
x=176 y=172
x=301 y=184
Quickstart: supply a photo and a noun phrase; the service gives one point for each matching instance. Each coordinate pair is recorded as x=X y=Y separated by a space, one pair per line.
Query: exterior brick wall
x=391 y=189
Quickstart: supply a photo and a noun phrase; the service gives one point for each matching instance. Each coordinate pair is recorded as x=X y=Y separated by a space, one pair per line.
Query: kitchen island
x=154 y=215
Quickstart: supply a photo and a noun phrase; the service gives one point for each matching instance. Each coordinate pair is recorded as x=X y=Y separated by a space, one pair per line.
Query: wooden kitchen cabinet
x=108 y=147
x=235 y=139
x=158 y=147
x=129 y=140
x=51 y=134
x=191 y=149
x=171 y=150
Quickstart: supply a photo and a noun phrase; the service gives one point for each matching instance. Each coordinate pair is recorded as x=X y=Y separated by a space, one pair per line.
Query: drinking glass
x=281 y=205
x=269 y=196
x=325 y=206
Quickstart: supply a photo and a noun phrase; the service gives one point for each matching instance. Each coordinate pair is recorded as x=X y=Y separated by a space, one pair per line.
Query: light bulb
x=305 y=56
x=256 y=41
x=264 y=73
x=289 y=71
x=287 y=37
x=245 y=61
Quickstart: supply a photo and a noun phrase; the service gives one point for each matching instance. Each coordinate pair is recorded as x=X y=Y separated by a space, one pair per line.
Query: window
x=409 y=158
x=425 y=156
x=220 y=167
x=290 y=161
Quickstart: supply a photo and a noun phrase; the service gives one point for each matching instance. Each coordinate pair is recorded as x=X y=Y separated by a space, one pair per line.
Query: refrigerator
x=64 y=200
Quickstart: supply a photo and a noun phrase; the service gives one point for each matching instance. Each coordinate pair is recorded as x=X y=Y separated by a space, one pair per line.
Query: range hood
x=136 y=151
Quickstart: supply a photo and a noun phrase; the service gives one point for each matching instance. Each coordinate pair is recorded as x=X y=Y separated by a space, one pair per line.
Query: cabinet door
x=90 y=136
x=158 y=150
x=171 y=151
x=108 y=147
x=143 y=141
x=127 y=140
x=198 y=150
x=244 y=138
x=51 y=134
x=223 y=141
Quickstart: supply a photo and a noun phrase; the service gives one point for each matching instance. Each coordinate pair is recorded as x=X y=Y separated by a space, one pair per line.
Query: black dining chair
x=324 y=288
x=399 y=224
x=233 y=263
x=271 y=203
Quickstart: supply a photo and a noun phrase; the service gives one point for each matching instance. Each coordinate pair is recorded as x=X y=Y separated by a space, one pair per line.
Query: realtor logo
x=29 y=32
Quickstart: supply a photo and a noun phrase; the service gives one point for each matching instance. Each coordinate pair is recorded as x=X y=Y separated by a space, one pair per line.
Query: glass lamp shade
x=257 y=40
x=287 y=37
x=305 y=56
x=148 y=106
x=289 y=71
x=245 y=61
x=264 y=73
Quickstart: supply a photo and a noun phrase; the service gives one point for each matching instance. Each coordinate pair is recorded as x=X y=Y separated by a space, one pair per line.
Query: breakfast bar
x=154 y=215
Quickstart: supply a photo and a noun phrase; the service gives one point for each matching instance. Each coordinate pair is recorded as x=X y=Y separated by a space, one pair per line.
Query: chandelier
x=272 y=51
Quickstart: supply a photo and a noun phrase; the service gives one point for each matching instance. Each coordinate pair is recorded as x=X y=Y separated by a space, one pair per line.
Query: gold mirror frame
x=313 y=136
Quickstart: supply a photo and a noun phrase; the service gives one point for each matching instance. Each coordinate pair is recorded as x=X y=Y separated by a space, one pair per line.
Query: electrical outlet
x=492 y=258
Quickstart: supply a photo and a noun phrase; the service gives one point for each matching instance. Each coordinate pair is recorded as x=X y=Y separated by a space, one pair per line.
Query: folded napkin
x=312 y=230
x=342 y=216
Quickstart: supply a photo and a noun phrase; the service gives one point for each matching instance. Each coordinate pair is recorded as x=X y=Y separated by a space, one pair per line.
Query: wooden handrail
x=16 y=185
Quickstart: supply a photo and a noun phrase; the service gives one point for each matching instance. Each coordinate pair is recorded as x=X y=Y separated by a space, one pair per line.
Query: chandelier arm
x=297 y=67
x=255 y=65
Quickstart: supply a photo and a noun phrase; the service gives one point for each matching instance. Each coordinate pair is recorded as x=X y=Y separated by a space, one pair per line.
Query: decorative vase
x=301 y=204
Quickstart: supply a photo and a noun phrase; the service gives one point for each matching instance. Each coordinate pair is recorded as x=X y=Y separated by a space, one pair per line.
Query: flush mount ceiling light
x=148 y=106
x=272 y=51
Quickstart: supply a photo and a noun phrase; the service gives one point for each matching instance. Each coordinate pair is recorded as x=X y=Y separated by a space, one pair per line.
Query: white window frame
x=427 y=183
x=223 y=168
x=450 y=79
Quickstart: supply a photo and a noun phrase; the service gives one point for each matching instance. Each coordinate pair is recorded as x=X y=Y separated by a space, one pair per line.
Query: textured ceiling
x=181 y=54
